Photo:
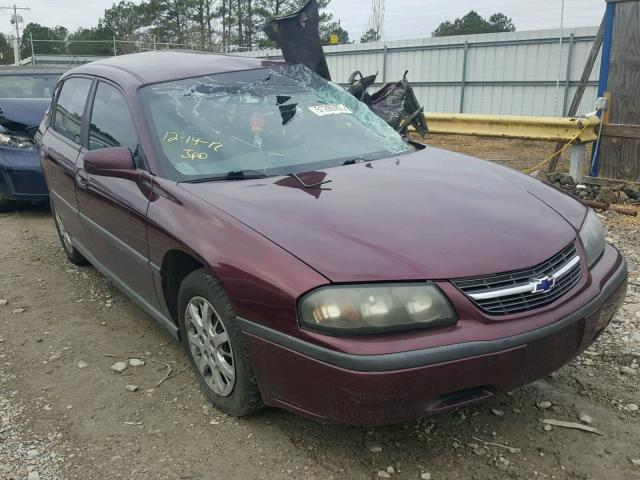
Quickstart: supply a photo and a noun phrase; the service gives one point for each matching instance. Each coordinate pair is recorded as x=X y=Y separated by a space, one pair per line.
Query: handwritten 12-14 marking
x=190 y=153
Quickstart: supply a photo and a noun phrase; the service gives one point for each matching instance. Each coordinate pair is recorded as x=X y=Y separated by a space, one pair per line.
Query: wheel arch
x=176 y=265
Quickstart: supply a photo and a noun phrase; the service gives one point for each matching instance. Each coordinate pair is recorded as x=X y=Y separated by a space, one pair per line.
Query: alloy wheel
x=210 y=346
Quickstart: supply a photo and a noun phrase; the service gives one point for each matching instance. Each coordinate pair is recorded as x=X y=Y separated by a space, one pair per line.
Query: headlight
x=360 y=309
x=592 y=237
x=16 y=142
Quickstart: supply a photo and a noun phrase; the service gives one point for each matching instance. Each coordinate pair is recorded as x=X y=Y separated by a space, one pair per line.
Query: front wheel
x=215 y=345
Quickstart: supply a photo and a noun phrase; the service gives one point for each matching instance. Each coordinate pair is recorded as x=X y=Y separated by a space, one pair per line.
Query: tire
x=6 y=205
x=65 y=239
x=214 y=355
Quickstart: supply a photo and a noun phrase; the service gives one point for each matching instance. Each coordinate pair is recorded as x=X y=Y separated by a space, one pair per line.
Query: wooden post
x=620 y=156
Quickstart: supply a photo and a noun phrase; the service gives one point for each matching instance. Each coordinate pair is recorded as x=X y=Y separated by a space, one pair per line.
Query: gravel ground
x=64 y=414
x=23 y=454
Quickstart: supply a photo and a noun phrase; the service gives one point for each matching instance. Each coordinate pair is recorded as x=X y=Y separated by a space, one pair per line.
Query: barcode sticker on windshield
x=322 y=110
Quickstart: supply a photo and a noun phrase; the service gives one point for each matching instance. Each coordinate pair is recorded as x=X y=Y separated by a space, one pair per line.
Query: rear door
x=113 y=210
x=61 y=144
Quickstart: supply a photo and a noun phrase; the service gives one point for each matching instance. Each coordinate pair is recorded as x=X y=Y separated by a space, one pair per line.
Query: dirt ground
x=518 y=154
x=64 y=415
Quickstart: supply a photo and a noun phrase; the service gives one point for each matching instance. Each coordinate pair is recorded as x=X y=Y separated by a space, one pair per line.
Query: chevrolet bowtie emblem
x=544 y=285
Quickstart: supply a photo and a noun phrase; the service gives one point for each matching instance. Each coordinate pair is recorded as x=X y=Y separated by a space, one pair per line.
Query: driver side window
x=111 y=124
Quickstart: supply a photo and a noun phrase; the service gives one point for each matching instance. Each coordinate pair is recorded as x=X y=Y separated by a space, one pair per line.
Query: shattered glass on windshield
x=277 y=120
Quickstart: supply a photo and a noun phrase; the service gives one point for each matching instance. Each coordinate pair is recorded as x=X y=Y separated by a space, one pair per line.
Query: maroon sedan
x=305 y=254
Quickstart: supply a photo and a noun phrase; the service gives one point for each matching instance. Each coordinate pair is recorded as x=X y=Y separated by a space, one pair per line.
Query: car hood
x=431 y=214
x=22 y=115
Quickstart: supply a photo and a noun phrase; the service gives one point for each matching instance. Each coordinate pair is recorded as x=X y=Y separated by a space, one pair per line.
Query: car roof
x=162 y=66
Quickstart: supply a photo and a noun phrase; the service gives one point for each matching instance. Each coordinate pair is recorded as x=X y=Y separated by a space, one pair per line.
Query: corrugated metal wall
x=499 y=73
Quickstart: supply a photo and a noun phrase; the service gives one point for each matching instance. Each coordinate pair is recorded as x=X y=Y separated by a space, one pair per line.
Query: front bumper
x=318 y=382
x=21 y=175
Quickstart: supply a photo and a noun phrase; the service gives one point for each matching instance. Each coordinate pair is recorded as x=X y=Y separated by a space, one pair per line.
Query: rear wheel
x=65 y=238
x=6 y=205
x=215 y=345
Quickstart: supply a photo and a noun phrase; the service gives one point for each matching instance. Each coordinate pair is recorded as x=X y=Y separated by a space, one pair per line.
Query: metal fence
x=517 y=73
x=68 y=53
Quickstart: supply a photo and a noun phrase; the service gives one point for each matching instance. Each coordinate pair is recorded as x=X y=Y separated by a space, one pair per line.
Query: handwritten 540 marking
x=171 y=137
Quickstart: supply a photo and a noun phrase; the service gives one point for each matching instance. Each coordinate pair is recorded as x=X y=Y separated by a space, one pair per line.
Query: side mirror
x=110 y=162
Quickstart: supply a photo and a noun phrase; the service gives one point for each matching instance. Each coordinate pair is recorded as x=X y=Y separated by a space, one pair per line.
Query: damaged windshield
x=273 y=121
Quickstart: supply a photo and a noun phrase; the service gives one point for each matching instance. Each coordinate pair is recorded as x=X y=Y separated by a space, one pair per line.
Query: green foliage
x=91 y=41
x=473 y=23
x=6 y=49
x=266 y=9
x=124 y=19
x=501 y=23
x=169 y=19
x=330 y=28
x=40 y=32
x=201 y=24
x=370 y=36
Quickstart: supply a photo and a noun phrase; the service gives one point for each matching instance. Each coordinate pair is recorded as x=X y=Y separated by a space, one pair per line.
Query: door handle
x=82 y=179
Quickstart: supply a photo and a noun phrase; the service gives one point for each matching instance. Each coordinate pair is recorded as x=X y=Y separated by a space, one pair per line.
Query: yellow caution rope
x=559 y=152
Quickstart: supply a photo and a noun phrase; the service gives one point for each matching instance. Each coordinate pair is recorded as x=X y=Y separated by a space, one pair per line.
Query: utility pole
x=16 y=20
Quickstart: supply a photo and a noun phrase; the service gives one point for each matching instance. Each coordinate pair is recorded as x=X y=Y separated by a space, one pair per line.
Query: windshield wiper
x=245 y=175
x=232 y=175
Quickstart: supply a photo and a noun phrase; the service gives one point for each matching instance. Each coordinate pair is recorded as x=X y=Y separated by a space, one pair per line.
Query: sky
x=404 y=18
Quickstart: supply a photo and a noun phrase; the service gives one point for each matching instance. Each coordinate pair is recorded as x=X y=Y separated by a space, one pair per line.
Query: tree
x=56 y=44
x=376 y=22
x=169 y=19
x=91 y=41
x=502 y=23
x=203 y=14
x=6 y=49
x=328 y=26
x=273 y=8
x=124 y=19
x=333 y=28
x=266 y=9
x=473 y=23
x=369 y=36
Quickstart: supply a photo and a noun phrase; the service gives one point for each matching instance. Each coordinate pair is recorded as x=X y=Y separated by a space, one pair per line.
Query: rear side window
x=70 y=108
x=111 y=124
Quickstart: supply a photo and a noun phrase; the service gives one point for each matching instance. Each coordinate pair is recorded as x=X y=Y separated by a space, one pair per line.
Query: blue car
x=25 y=96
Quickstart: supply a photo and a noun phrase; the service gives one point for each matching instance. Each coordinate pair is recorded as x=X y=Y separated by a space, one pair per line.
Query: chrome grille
x=512 y=292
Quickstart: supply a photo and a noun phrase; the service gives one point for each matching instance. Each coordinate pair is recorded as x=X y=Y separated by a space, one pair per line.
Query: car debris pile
x=298 y=36
x=611 y=194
